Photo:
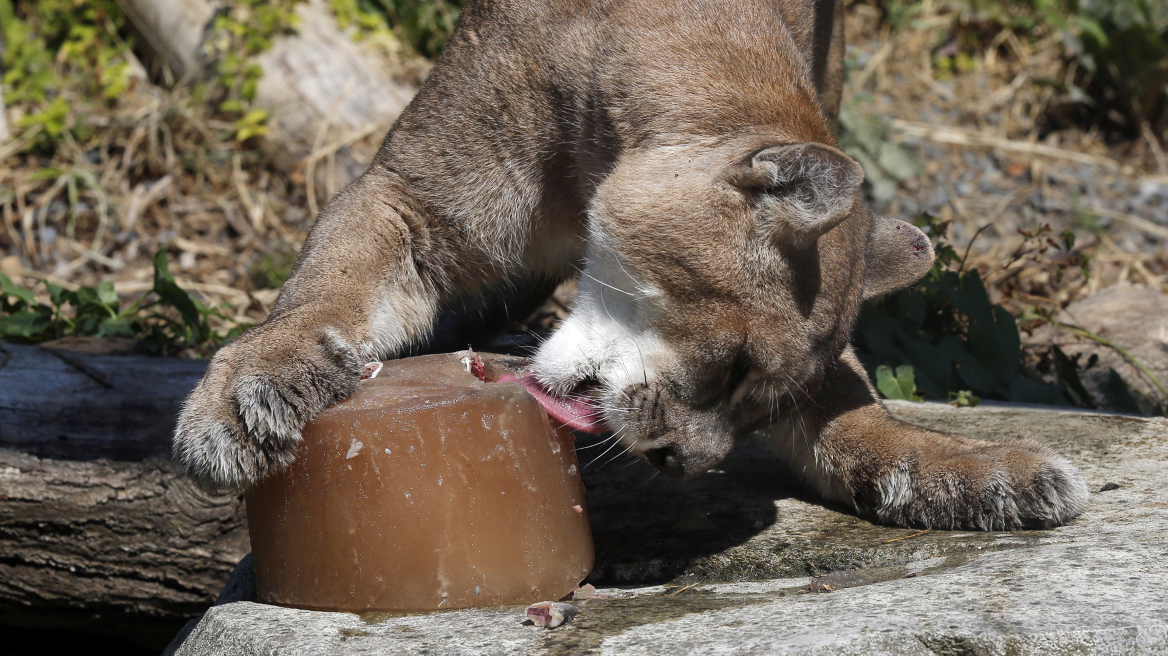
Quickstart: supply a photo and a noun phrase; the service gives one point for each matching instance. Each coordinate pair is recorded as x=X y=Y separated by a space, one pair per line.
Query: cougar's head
x=720 y=283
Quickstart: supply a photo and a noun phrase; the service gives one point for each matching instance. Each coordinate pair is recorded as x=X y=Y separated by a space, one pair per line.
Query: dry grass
x=997 y=105
x=160 y=172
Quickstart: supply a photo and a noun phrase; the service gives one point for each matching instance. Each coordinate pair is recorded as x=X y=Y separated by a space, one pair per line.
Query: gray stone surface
x=241 y=586
x=1094 y=587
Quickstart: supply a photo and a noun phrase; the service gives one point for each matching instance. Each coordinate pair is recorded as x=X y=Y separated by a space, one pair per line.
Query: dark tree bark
x=63 y=404
x=86 y=542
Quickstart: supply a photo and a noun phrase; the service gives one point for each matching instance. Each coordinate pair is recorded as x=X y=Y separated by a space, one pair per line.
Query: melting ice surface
x=429 y=488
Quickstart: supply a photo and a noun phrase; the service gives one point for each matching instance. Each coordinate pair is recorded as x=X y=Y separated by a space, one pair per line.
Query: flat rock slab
x=769 y=573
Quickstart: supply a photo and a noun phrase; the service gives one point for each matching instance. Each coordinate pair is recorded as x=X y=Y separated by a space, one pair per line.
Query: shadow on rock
x=650 y=528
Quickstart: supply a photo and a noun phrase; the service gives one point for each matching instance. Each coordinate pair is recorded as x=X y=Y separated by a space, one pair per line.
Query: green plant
x=964 y=399
x=57 y=49
x=70 y=181
x=947 y=329
x=1120 y=47
x=164 y=321
x=52 y=119
x=944 y=66
x=244 y=31
x=27 y=61
x=366 y=18
x=423 y=25
x=1123 y=45
x=1068 y=374
x=900 y=385
x=900 y=13
x=252 y=124
x=81 y=34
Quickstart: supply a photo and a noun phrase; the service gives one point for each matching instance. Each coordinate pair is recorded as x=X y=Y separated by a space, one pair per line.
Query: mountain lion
x=680 y=156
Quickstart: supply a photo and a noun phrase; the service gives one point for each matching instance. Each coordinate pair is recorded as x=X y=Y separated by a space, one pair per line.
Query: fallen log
x=97 y=531
x=107 y=545
x=62 y=404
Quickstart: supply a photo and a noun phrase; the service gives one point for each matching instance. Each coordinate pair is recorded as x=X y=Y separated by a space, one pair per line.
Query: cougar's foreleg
x=368 y=284
x=846 y=445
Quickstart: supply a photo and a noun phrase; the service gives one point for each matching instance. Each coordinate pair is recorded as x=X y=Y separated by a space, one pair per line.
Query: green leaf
x=964 y=399
x=86 y=296
x=25 y=324
x=47 y=173
x=107 y=295
x=899 y=386
x=908 y=385
x=58 y=294
x=1093 y=29
x=969 y=368
x=252 y=124
x=913 y=308
x=887 y=383
x=173 y=295
x=117 y=328
x=19 y=292
x=53 y=118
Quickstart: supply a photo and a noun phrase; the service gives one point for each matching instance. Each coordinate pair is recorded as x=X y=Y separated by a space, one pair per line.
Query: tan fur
x=681 y=154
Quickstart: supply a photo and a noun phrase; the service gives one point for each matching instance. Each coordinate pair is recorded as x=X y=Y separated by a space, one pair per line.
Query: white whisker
x=598 y=280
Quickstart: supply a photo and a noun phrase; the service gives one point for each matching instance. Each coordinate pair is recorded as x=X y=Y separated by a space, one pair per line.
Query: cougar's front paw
x=988 y=486
x=243 y=420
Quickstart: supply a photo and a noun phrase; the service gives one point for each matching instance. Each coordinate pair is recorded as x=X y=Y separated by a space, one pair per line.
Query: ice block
x=427 y=489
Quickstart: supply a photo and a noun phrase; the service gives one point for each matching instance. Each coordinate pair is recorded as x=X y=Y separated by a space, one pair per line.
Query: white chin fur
x=605 y=336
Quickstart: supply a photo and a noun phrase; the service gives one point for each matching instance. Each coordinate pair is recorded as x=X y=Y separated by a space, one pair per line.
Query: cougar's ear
x=804 y=189
x=897 y=255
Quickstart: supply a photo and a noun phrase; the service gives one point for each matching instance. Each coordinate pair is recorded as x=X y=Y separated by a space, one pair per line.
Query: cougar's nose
x=666 y=460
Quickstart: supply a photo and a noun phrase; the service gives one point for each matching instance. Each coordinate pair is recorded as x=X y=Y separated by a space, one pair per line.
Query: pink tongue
x=575 y=414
